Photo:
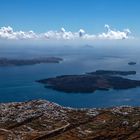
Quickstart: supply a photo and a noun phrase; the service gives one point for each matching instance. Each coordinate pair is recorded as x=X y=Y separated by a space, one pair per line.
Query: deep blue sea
x=17 y=83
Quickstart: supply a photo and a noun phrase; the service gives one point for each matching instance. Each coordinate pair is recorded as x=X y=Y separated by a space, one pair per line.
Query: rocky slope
x=43 y=120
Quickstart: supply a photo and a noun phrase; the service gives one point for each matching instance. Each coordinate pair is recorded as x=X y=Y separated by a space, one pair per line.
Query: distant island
x=33 y=61
x=132 y=63
x=90 y=82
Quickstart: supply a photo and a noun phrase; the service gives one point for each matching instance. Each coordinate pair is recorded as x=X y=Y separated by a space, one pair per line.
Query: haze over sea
x=17 y=83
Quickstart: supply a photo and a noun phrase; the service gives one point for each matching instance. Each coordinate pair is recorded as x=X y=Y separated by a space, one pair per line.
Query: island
x=112 y=72
x=33 y=61
x=90 y=82
x=44 y=120
x=132 y=63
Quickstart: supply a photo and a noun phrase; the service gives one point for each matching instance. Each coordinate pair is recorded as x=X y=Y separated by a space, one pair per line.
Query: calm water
x=18 y=83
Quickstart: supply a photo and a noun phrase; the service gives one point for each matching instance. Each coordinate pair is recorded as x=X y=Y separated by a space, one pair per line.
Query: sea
x=18 y=83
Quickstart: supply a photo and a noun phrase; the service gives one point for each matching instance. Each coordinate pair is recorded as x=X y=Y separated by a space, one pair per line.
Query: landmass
x=90 y=82
x=44 y=120
x=132 y=63
x=33 y=61
x=112 y=72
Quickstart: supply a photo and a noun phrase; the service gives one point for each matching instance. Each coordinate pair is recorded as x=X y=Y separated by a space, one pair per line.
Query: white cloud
x=81 y=33
x=113 y=34
x=9 y=33
x=107 y=27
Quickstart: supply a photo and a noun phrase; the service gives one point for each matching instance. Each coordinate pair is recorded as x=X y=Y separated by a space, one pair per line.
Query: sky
x=41 y=16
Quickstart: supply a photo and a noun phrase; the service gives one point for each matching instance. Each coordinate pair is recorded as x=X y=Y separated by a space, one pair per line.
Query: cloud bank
x=9 y=34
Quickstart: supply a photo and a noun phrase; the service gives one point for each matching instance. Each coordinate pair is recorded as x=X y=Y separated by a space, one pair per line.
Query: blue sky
x=91 y=15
